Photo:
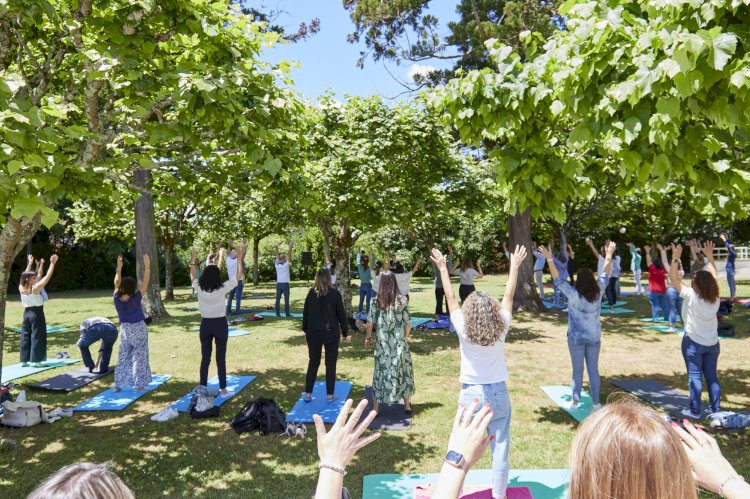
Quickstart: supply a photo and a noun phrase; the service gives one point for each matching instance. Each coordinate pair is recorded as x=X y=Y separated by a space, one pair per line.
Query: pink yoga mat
x=476 y=492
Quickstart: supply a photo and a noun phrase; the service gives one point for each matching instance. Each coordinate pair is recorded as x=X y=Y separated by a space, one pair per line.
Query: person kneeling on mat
x=93 y=330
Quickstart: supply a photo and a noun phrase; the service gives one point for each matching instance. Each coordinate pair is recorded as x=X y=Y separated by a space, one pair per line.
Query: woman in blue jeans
x=700 y=345
x=365 y=282
x=481 y=325
x=584 y=328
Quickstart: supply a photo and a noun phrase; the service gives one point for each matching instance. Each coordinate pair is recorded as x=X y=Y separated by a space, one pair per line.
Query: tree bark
x=341 y=241
x=145 y=243
x=526 y=297
x=169 y=270
x=13 y=238
x=256 y=245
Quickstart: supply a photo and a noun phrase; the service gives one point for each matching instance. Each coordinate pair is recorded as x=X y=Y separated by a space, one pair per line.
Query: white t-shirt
x=331 y=270
x=375 y=282
x=700 y=319
x=600 y=265
x=213 y=304
x=481 y=365
x=403 y=282
x=282 y=271
x=231 y=266
x=466 y=278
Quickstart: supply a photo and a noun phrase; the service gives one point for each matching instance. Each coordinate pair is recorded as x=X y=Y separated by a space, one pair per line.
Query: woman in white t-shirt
x=466 y=275
x=211 y=293
x=482 y=324
x=700 y=344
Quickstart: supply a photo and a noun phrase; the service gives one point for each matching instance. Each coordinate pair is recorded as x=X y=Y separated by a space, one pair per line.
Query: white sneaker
x=671 y=330
x=574 y=405
x=595 y=407
x=165 y=415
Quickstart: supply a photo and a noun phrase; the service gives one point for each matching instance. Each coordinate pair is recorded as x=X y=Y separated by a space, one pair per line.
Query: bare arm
x=552 y=267
x=674 y=268
x=407 y=329
x=416 y=266
x=193 y=271
x=39 y=269
x=44 y=280
x=593 y=248
x=118 y=273
x=291 y=256
x=440 y=262
x=610 y=252
x=663 y=254
x=647 y=250
x=220 y=258
x=571 y=252
x=29 y=263
x=146 y=274
x=240 y=262
x=708 y=252
x=516 y=258
x=479 y=269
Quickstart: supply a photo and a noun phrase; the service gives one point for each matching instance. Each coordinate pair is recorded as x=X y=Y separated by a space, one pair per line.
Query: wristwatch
x=457 y=460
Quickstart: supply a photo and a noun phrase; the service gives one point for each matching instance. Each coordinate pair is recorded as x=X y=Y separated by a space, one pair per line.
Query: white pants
x=539 y=277
x=637 y=277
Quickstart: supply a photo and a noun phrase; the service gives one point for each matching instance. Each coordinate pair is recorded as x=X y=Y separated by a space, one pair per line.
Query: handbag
x=22 y=414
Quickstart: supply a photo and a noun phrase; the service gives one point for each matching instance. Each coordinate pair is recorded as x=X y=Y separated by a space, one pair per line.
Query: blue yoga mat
x=418 y=321
x=563 y=396
x=607 y=311
x=302 y=412
x=272 y=315
x=360 y=315
x=543 y=484
x=237 y=332
x=51 y=329
x=15 y=371
x=235 y=384
x=108 y=400
x=439 y=324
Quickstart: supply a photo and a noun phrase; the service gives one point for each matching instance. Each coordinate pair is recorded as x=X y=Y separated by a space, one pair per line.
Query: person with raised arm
x=482 y=323
x=235 y=267
x=282 y=280
x=439 y=292
x=700 y=344
x=39 y=275
x=538 y=270
x=657 y=286
x=674 y=300
x=403 y=278
x=466 y=275
x=365 y=281
x=133 y=366
x=584 y=326
x=211 y=293
x=614 y=272
x=33 y=341
x=572 y=265
x=731 y=257
x=635 y=266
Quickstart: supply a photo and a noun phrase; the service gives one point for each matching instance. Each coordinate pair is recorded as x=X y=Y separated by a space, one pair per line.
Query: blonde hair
x=483 y=323
x=83 y=481
x=628 y=451
x=322 y=282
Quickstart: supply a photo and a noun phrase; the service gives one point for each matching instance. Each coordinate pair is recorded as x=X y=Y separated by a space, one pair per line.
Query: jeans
x=658 y=301
x=464 y=290
x=236 y=293
x=365 y=292
x=108 y=335
x=637 y=277
x=282 y=288
x=539 y=278
x=730 y=281
x=612 y=291
x=674 y=304
x=588 y=352
x=496 y=394
x=314 y=347
x=701 y=362
x=439 y=299
x=212 y=329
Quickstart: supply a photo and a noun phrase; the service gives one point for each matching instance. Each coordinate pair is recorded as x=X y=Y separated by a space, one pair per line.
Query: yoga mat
x=440 y=324
x=272 y=315
x=563 y=396
x=15 y=371
x=649 y=319
x=243 y=311
x=108 y=400
x=475 y=492
x=606 y=310
x=256 y=297
x=418 y=321
x=235 y=384
x=390 y=416
x=663 y=329
x=549 y=304
x=189 y=309
x=543 y=484
x=302 y=412
x=51 y=329
x=670 y=400
x=67 y=382
x=360 y=315
x=237 y=332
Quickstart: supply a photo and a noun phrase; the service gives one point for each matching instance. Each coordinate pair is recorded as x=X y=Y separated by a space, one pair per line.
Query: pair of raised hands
x=146 y=262
x=442 y=264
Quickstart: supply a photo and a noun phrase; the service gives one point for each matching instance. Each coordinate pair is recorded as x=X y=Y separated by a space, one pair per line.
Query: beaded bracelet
x=727 y=480
x=342 y=471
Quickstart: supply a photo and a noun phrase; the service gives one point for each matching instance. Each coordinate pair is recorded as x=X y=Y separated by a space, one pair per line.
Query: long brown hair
x=25 y=282
x=388 y=292
x=705 y=286
x=626 y=450
x=467 y=264
x=322 y=282
x=587 y=286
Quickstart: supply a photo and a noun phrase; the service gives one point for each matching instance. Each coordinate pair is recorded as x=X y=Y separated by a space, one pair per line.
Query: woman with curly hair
x=584 y=328
x=482 y=324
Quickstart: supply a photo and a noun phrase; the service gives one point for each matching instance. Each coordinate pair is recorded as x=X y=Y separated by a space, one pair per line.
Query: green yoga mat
x=16 y=371
x=51 y=329
x=543 y=484
x=607 y=311
x=563 y=396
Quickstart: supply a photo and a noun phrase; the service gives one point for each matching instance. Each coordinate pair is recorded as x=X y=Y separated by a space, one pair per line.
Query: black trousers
x=315 y=344
x=612 y=291
x=439 y=299
x=212 y=329
x=464 y=290
x=33 y=341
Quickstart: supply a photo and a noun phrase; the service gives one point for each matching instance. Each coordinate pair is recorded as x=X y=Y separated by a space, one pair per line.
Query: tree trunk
x=326 y=248
x=526 y=297
x=343 y=277
x=145 y=243
x=256 y=244
x=14 y=236
x=169 y=270
x=564 y=237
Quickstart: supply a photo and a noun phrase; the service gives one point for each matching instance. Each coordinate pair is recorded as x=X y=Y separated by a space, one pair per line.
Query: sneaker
x=290 y=430
x=690 y=414
x=36 y=364
x=595 y=407
x=332 y=398
x=574 y=405
x=24 y=364
x=300 y=431
x=565 y=309
x=671 y=330
x=308 y=397
x=165 y=415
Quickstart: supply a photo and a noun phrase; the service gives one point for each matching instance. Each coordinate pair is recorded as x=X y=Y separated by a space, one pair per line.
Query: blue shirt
x=539 y=263
x=583 y=316
x=130 y=312
x=732 y=255
x=365 y=276
x=562 y=268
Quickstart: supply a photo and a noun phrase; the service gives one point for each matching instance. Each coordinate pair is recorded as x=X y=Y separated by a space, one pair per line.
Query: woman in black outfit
x=323 y=320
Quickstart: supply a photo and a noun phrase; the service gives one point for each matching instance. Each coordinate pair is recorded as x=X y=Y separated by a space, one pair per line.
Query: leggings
x=439 y=299
x=314 y=346
x=464 y=290
x=218 y=329
x=33 y=342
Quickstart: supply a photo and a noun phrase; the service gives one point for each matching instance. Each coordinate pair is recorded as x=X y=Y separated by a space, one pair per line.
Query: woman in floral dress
x=393 y=379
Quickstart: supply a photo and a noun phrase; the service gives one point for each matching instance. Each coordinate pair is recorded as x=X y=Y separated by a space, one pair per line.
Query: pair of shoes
x=295 y=430
x=24 y=364
x=36 y=364
x=62 y=355
x=165 y=414
x=332 y=398
x=65 y=412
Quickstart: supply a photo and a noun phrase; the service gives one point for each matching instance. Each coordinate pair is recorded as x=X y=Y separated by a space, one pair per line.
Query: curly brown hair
x=484 y=323
x=705 y=286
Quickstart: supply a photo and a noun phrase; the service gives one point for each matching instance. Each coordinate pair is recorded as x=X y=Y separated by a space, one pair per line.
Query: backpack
x=22 y=414
x=726 y=329
x=262 y=415
x=725 y=307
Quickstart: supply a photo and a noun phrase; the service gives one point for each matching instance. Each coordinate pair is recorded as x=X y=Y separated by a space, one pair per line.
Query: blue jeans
x=236 y=293
x=108 y=335
x=496 y=394
x=674 y=304
x=588 y=352
x=701 y=362
x=282 y=288
x=365 y=291
x=730 y=281
x=658 y=301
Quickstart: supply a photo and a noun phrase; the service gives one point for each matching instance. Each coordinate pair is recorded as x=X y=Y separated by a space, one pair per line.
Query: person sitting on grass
x=482 y=324
x=584 y=326
x=83 y=481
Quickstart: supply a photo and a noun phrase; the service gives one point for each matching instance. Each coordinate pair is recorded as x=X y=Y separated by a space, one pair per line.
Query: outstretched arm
x=590 y=244
x=240 y=249
x=571 y=253
x=674 y=268
x=479 y=269
x=146 y=274
x=647 y=250
x=39 y=269
x=291 y=256
x=118 y=273
x=552 y=267
x=516 y=258
x=440 y=262
x=708 y=251
x=663 y=253
x=29 y=263
x=609 y=249
x=193 y=271
x=416 y=266
x=222 y=255
x=44 y=280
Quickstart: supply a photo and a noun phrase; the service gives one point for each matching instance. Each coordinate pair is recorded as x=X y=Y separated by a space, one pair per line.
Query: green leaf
x=13 y=166
x=272 y=165
x=722 y=49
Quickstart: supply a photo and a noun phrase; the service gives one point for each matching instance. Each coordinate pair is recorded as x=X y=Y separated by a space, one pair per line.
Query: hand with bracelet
x=337 y=447
x=712 y=471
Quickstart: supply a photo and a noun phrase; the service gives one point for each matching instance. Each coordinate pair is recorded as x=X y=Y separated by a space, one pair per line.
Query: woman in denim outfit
x=481 y=325
x=584 y=328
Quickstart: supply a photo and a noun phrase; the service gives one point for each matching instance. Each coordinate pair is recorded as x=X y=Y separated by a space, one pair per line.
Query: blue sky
x=329 y=61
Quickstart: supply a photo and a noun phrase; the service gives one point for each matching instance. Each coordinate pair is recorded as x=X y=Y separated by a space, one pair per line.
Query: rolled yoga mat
x=16 y=371
x=390 y=416
x=302 y=412
x=108 y=400
x=563 y=397
x=67 y=382
x=235 y=384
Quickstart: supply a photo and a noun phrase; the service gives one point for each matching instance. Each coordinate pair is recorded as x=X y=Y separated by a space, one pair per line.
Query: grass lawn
x=205 y=458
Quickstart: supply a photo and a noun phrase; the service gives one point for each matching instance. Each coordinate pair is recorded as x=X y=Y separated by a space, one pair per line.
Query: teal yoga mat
x=563 y=396
x=607 y=311
x=649 y=319
x=418 y=321
x=237 y=332
x=543 y=484
x=663 y=329
x=272 y=315
x=16 y=371
x=108 y=400
x=51 y=329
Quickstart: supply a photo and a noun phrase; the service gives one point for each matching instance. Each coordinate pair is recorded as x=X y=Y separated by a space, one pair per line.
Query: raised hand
x=53 y=259
x=146 y=261
x=337 y=446
x=708 y=248
x=518 y=256
x=30 y=260
x=119 y=263
x=439 y=260
x=610 y=248
x=647 y=248
x=546 y=253
x=723 y=237
x=676 y=251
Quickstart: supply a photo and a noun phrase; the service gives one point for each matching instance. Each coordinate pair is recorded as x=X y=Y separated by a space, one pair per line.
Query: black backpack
x=725 y=307
x=725 y=329
x=262 y=415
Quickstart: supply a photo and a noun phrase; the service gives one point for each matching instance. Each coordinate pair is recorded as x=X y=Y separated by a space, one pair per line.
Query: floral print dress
x=393 y=379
